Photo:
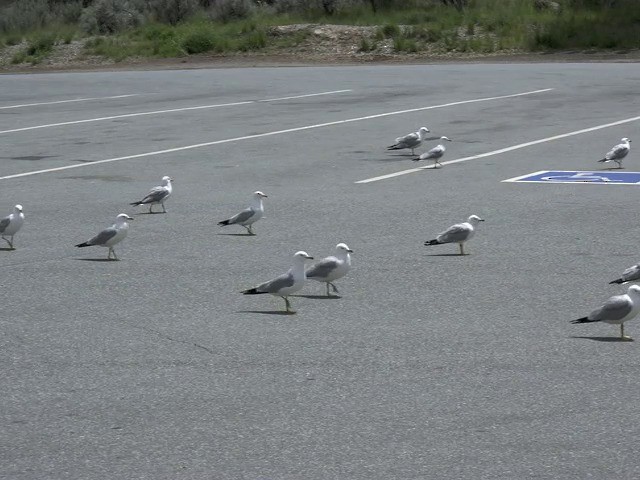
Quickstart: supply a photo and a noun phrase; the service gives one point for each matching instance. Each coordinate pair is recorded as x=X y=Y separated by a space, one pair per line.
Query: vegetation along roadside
x=94 y=31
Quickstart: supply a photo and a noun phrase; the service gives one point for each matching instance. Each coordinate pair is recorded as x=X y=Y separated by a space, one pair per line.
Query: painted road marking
x=159 y=112
x=503 y=150
x=267 y=134
x=581 y=177
x=89 y=99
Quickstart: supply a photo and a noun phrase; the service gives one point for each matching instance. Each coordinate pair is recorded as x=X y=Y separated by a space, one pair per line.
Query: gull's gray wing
x=4 y=224
x=274 y=286
x=156 y=194
x=243 y=216
x=616 y=308
x=408 y=141
x=435 y=152
x=617 y=152
x=454 y=234
x=323 y=268
x=103 y=237
x=631 y=273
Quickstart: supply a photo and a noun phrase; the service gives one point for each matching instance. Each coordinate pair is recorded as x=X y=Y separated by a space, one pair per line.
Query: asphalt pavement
x=429 y=366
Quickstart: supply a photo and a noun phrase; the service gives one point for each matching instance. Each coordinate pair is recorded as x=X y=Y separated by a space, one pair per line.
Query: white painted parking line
x=159 y=112
x=268 y=134
x=89 y=99
x=503 y=150
x=304 y=96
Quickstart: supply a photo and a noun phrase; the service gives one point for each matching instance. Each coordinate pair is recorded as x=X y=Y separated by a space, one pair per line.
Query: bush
x=110 y=16
x=173 y=11
x=198 y=41
x=229 y=10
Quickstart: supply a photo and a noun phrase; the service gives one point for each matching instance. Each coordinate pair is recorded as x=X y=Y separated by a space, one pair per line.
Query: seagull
x=10 y=225
x=157 y=195
x=458 y=233
x=332 y=268
x=110 y=236
x=617 y=153
x=248 y=216
x=435 y=153
x=285 y=284
x=412 y=141
x=631 y=274
x=618 y=309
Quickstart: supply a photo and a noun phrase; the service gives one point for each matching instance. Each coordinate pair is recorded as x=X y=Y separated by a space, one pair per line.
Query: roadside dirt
x=321 y=45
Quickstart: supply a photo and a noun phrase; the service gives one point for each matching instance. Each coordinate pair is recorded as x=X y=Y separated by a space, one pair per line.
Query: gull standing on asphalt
x=10 y=225
x=618 y=309
x=332 y=268
x=157 y=195
x=110 y=236
x=248 y=216
x=287 y=283
x=617 y=153
x=631 y=274
x=458 y=233
x=412 y=140
x=434 y=154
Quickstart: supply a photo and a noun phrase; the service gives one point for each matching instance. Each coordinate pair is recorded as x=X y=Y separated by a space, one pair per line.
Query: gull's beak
x=350 y=251
x=265 y=196
x=308 y=257
x=129 y=218
x=481 y=220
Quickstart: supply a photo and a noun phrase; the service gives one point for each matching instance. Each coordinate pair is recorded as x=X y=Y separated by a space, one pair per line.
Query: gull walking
x=434 y=154
x=412 y=141
x=287 y=283
x=157 y=195
x=617 y=310
x=10 y=225
x=332 y=268
x=631 y=274
x=110 y=236
x=458 y=233
x=617 y=153
x=248 y=216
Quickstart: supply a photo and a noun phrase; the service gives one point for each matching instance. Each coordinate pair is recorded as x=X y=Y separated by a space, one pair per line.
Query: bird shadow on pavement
x=6 y=249
x=604 y=339
x=267 y=312
x=446 y=255
x=236 y=234
x=96 y=259
x=150 y=213
x=319 y=297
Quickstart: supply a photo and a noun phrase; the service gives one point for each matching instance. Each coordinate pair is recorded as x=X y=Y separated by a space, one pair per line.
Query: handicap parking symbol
x=579 y=177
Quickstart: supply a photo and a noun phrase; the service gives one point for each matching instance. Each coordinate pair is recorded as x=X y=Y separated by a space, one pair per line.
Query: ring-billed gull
x=631 y=274
x=285 y=284
x=332 y=268
x=618 y=309
x=110 y=236
x=458 y=233
x=435 y=153
x=10 y=225
x=617 y=153
x=157 y=195
x=412 y=140
x=248 y=216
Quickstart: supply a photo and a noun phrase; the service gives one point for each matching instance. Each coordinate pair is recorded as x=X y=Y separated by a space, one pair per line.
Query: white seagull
x=285 y=284
x=248 y=216
x=458 y=233
x=110 y=236
x=434 y=154
x=617 y=153
x=332 y=268
x=10 y=225
x=157 y=195
x=617 y=310
x=631 y=274
x=412 y=140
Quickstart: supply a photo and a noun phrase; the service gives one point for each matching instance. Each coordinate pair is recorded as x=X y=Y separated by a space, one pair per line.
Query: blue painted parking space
x=600 y=177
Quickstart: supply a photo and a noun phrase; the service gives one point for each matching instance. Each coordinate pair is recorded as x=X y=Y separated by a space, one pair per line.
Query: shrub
x=198 y=41
x=173 y=11
x=229 y=10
